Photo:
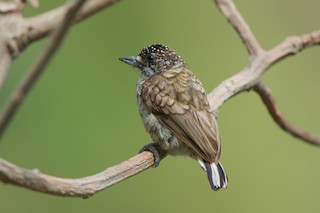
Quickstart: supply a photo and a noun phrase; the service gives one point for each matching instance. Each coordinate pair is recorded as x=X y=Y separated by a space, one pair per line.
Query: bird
x=175 y=111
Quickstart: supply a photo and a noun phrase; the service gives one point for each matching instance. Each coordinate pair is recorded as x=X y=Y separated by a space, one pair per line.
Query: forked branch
x=39 y=67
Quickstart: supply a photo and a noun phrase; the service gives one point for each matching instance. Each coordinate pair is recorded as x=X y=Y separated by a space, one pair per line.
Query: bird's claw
x=155 y=151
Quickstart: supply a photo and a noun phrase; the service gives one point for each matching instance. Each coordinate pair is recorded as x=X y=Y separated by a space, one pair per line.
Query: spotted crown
x=162 y=55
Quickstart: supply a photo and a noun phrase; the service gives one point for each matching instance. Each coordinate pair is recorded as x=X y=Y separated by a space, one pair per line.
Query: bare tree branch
x=292 y=45
x=12 y=38
x=274 y=110
x=252 y=74
x=5 y=62
x=18 y=32
x=79 y=187
x=39 y=66
x=39 y=26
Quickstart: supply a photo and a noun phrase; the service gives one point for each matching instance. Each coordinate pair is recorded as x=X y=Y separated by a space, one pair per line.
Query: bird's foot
x=156 y=151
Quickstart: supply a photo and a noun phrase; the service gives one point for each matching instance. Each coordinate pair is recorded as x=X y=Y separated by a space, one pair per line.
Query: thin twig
x=230 y=11
x=38 y=68
x=274 y=110
x=39 y=26
x=292 y=45
x=79 y=187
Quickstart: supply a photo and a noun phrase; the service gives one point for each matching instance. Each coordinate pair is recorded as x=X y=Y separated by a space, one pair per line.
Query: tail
x=216 y=175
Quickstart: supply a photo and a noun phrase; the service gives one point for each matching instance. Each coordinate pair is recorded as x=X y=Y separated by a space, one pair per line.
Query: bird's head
x=155 y=59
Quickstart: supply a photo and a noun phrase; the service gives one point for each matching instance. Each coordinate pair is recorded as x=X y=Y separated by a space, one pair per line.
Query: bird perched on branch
x=175 y=111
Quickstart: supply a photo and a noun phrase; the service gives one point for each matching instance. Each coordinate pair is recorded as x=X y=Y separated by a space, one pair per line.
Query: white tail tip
x=216 y=175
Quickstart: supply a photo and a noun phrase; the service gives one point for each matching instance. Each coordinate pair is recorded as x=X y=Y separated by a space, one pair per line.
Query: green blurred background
x=81 y=117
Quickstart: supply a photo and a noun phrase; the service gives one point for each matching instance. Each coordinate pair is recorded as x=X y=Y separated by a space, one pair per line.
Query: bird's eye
x=150 y=58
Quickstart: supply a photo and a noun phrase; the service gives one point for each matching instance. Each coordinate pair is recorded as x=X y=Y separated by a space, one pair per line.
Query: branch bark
x=248 y=78
x=5 y=63
x=39 y=26
x=292 y=45
x=79 y=187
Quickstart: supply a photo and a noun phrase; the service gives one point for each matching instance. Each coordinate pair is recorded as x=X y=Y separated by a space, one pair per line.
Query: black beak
x=131 y=60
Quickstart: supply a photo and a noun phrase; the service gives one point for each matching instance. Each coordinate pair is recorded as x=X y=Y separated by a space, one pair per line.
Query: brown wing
x=179 y=102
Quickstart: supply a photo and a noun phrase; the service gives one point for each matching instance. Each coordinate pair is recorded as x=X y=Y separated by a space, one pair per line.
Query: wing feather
x=178 y=101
